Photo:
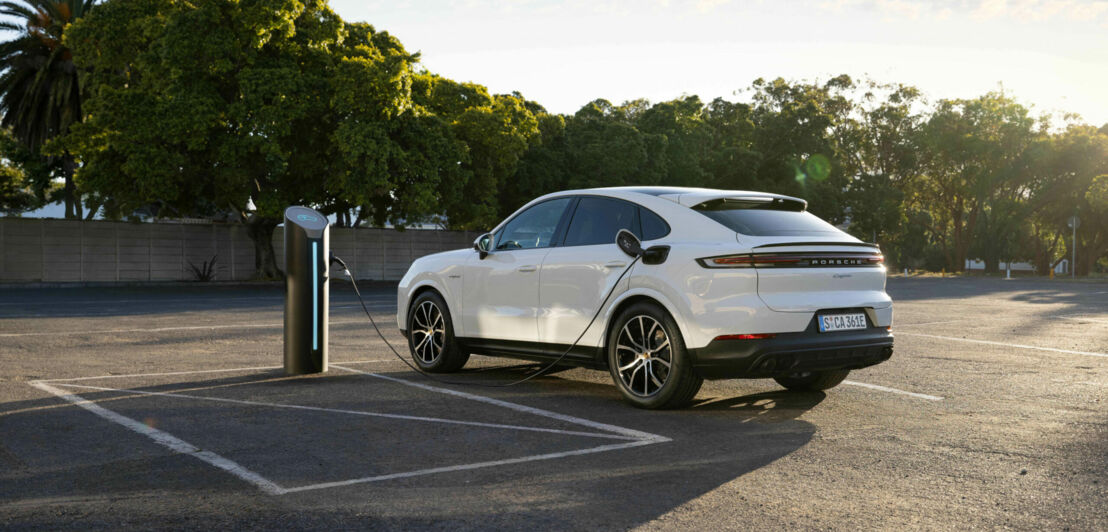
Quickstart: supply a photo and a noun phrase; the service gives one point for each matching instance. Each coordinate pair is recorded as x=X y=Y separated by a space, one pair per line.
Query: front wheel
x=648 y=360
x=813 y=381
x=431 y=335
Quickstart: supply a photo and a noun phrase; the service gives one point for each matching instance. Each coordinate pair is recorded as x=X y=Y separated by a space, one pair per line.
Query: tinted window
x=534 y=227
x=759 y=219
x=652 y=225
x=597 y=220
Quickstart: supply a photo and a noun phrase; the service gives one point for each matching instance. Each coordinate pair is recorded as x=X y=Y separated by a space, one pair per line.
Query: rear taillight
x=793 y=260
x=745 y=336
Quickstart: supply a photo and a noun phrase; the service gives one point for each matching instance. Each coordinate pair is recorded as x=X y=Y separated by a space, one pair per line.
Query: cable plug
x=336 y=260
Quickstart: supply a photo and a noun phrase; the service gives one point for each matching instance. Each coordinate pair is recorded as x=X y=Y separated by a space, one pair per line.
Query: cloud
x=1041 y=10
x=705 y=6
x=989 y=9
x=1016 y=10
x=904 y=8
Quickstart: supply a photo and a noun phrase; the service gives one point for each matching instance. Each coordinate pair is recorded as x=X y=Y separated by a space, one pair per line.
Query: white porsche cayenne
x=733 y=284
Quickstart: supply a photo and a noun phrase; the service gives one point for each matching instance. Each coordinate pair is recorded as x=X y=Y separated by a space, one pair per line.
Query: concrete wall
x=48 y=250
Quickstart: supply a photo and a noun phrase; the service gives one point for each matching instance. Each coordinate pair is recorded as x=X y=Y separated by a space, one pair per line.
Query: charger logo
x=306 y=218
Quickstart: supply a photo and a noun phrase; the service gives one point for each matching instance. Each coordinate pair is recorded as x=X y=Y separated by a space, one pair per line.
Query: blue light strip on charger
x=315 y=296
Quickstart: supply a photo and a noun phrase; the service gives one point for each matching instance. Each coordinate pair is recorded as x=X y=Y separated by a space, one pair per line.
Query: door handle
x=527 y=268
x=615 y=264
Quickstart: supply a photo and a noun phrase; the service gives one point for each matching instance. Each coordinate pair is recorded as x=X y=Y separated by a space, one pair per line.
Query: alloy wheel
x=427 y=321
x=644 y=355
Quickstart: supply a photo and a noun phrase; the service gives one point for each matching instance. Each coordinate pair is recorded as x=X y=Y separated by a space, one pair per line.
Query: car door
x=502 y=290
x=577 y=275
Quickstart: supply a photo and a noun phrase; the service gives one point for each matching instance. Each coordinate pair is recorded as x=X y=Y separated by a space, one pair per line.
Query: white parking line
x=1004 y=344
x=175 y=444
x=1081 y=318
x=899 y=325
x=894 y=390
x=350 y=412
x=530 y=410
x=478 y=465
x=196 y=372
x=167 y=440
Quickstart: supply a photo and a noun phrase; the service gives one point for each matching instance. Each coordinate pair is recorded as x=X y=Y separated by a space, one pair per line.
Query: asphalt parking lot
x=167 y=408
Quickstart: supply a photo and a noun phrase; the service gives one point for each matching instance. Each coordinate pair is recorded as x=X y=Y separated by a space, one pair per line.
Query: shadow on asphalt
x=67 y=452
x=1035 y=291
x=767 y=407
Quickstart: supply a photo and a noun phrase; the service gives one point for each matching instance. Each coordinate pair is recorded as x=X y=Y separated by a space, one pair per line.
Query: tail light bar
x=795 y=260
x=759 y=336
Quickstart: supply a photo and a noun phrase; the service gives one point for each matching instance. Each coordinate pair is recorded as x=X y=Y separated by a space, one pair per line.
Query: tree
x=805 y=138
x=40 y=91
x=684 y=139
x=15 y=195
x=28 y=177
x=202 y=108
x=605 y=149
x=1072 y=166
x=208 y=107
x=731 y=161
x=887 y=161
x=398 y=157
x=496 y=137
x=973 y=153
x=543 y=169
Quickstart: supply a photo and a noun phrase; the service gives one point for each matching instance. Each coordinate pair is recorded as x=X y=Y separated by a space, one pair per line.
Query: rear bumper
x=787 y=353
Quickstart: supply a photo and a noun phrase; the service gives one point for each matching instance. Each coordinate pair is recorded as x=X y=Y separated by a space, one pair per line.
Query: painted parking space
x=177 y=412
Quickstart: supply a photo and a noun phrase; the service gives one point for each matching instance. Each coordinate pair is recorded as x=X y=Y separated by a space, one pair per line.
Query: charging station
x=307 y=264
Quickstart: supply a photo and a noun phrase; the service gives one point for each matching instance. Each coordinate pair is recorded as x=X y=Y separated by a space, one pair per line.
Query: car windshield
x=765 y=218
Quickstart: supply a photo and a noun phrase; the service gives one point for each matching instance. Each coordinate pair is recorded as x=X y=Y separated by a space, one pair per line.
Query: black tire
x=679 y=383
x=813 y=381
x=433 y=347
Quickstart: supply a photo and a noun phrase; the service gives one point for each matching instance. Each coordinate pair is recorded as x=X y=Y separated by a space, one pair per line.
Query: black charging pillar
x=307 y=263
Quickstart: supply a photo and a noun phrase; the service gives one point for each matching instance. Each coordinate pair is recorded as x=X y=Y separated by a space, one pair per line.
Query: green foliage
x=1070 y=169
x=29 y=176
x=15 y=195
x=973 y=160
x=205 y=107
x=496 y=137
x=206 y=271
x=40 y=93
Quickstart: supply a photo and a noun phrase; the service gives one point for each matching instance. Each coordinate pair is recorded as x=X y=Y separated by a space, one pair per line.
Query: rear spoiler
x=783 y=244
x=773 y=202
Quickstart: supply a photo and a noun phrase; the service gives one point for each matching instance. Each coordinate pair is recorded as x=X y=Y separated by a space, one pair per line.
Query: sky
x=1051 y=55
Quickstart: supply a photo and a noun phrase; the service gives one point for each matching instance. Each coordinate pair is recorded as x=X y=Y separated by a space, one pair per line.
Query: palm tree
x=40 y=96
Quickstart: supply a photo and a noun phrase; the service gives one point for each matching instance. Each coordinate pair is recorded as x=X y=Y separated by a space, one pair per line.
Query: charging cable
x=541 y=371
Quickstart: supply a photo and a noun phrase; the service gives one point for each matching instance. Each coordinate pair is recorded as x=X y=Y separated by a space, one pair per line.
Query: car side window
x=532 y=228
x=597 y=220
x=653 y=226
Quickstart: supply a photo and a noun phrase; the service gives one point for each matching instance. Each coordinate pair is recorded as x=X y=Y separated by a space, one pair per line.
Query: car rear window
x=761 y=218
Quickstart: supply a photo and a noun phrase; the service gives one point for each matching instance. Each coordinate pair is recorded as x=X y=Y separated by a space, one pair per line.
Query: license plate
x=842 y=322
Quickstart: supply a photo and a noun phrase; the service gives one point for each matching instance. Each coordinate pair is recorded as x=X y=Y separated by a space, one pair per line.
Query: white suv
x=733 y=284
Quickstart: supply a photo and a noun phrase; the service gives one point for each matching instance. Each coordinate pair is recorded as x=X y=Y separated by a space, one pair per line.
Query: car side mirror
x=483 y=244
x=629 y=243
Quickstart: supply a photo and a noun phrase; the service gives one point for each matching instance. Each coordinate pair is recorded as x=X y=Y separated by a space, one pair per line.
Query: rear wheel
x=431 y=335
x=813 y=381
x=648 y=360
